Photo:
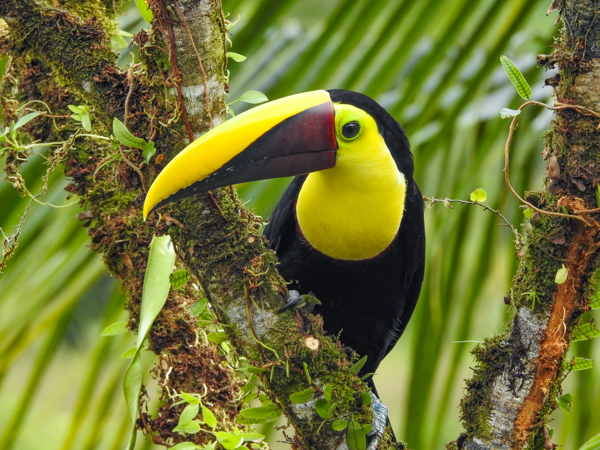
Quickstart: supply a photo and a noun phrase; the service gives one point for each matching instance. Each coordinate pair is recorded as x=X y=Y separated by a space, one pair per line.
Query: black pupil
x=350 y=130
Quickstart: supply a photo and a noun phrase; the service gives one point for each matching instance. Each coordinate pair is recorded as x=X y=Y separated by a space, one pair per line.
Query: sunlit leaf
x=561 y=275
x=236 y=56
x=208 y=417
x=478 y=195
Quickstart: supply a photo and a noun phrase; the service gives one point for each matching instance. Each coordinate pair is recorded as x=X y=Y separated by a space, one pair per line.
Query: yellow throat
x=353 y=210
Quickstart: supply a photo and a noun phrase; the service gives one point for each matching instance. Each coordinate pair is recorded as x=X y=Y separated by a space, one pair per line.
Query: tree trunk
x=518 y=376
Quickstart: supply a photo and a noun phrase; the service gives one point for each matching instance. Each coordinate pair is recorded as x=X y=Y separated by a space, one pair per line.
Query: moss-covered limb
x=517 y=378
x=220 y=242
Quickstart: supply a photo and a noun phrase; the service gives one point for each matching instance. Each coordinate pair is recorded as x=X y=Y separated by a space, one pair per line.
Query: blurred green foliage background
x=435 y=66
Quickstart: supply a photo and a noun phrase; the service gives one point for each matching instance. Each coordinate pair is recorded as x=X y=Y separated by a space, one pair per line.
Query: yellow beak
x=285 y=137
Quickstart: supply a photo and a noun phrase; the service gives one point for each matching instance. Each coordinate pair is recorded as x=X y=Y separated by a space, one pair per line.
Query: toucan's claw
x=295 y=300
x=380 y=414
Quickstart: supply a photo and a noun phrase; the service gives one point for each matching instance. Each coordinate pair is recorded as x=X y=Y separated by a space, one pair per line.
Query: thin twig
x=446 y=201
x=506 y=170
x=199 y=62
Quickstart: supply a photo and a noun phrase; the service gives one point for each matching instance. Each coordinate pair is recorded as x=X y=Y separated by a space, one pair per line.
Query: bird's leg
x=380 y=414
x=293 y=301
x=297 y=300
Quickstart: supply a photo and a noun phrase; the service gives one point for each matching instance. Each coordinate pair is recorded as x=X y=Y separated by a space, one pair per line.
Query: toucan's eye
x=351 y=129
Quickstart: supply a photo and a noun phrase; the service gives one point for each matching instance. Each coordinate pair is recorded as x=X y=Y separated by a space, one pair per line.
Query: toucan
x=348 y=230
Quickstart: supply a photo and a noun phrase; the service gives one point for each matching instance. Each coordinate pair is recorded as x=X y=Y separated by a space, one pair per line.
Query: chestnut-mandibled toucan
x=349 y=228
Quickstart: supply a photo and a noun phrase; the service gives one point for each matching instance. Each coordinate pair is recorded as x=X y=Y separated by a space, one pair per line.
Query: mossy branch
x=518 y=375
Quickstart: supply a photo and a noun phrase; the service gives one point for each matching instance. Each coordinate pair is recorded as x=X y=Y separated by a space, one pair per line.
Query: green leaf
x=25 y=120
x=148 y=152
x=578 y=363
x=253 y=437
x=146 y=12
x=218 y=337
x=327 y=392
x=132 y=383
x=156 y=283
x=358 y=364
x=598 y=195
x=528 y=212
x=253 y=97
x=191 y=427
x=324 y=408
x=505 y=113
x=255 y=370
x=199 y=307
x=235 y=56
x=561 y=275
x=179 y=278
x=130 y=353
x=592 y=444
x=191 y=399
x=302 y=396
x=208 y=417
x=261 y=414
x=584 y=332
x=339 y=425
x=478 y=195
x=117 y=42
x=76 y=109
x=115 y=328
x=306 y=373
x=516 y=77
x=123 y=33
x=356 y=437
x=565 y=402
x=124 y=136
x=595 y=303
x=185 y=446
x=86 y=122
x=365 y=398
x=188 y=414
x=232 y=442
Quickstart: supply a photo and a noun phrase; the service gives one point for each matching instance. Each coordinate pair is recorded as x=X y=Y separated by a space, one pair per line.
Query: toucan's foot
x=295 y=300
x=380 y=415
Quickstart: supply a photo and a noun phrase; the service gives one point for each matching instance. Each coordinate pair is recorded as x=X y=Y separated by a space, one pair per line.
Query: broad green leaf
x=115 y=328
x=218 y=337
x=191 y=399
x=179 y=278
x=253 y=437
x=253 y=97
x=132 y=383
x=516 y=77
x=478 y=195
x=584 y=332
x=505 y=113
x=358 y=364
x=565 y=402
x=561 y=275
x=149 y=151
x=199 y=307
x=86 y=122
x=130 y=353
x=208 y=417
x=595 y=303
x=124 y=136
x=302 y=396
x=156 y=283
x=356 y=437
x=327 y=392
x=592 y=444
x=365 y=398
x=528 y=212
x=578 y=363
x=185 y=446
x=235 y=56
x=191 y=427
x=324 y=408
x=232 y=442
x=261 y=414
x=76 y=109
x=339 y=425
x=25 y=119
x=146 y=12
x=188 y=414
x=117 y=42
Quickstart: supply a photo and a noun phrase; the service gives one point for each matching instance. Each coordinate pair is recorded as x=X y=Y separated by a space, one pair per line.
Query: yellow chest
x=352 y=212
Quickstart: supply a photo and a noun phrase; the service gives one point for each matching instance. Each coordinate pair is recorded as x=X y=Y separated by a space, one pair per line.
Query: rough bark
x=62 y=56
x=517 y=379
